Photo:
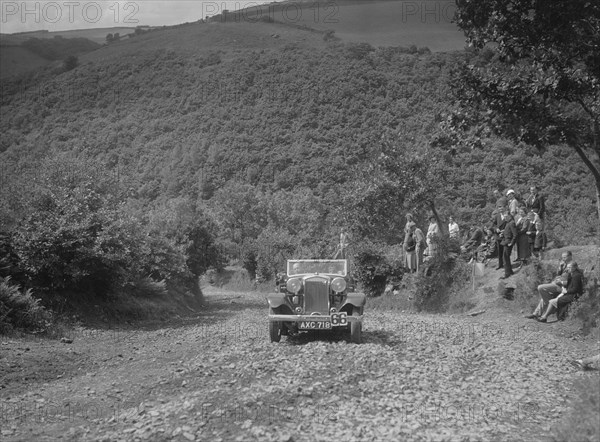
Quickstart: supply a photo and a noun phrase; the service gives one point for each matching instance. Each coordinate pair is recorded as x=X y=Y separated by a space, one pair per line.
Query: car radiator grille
x=316 y=296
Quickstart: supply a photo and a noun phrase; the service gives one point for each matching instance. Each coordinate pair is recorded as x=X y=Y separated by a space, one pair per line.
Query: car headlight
x=293 y=285
x=338 y=285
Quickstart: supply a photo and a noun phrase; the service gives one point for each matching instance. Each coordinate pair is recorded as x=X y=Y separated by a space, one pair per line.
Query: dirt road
x=217 y=377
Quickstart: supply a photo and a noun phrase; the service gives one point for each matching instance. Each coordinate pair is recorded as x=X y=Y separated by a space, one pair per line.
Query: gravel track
x=217 y=377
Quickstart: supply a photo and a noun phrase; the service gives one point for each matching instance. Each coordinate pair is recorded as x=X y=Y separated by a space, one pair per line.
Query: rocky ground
x=217 y=377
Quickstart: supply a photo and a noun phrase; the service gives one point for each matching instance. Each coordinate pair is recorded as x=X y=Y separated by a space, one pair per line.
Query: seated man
x=570 y=293
x=474 y=241
x=552 y=290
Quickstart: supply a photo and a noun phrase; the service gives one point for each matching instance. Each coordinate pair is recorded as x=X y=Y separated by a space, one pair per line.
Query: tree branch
x=587 y=162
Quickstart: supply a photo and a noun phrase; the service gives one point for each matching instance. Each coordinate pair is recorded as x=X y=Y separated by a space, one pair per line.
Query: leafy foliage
x=542 y=86
x=19 y=309
x=78 y=236
x=374 y=270
x=440 y=277
x=225 y=154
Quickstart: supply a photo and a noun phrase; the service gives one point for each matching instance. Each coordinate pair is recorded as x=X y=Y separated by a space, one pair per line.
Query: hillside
x=22 y=57
x=183 y=111
x=97 y=35
x=17 y=60
x=379 y=23
x=183 y=148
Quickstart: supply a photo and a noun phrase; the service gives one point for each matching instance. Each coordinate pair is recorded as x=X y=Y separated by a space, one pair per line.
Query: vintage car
x=315 y=294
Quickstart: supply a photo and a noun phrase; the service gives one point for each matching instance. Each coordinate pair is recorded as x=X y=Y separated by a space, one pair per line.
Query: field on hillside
x=16 y=60
x=97 y=35
x=380 y=23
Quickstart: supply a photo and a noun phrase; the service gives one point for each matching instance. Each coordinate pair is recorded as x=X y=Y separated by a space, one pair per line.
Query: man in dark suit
x=535 y=202
x=508 y=241
x=498 y=225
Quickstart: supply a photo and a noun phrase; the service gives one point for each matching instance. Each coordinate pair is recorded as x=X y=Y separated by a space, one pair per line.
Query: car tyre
x=355 y=329
x=275 y=330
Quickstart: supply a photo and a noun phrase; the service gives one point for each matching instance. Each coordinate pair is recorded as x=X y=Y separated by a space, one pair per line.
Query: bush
x=19 y=309
x=443 y=279
x=588 y=308
x=249 y=263
x=70 y=63
x=373 y=271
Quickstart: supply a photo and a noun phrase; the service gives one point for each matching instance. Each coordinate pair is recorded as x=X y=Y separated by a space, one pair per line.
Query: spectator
x=572 y=291
x=410 y=246
x=498 y=225
x=513 y=203
x=589 y=363
x=490 y=248
x=523 y=225
x=432 y=233
x=476 y=237
x=501 y=200
x=531 y=232
x=552 y=290
x=508 y=241
x=539 y=242
x=421 y=243
x=343 y=245
x=536 y=202
x=453 y=228
x=409 y=219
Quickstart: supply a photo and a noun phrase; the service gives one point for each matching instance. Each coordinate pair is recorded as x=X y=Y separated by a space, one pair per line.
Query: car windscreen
x=329 y=267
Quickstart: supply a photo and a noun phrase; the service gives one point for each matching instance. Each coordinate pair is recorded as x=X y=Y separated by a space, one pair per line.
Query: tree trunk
x=598 y=207
x=441 y=225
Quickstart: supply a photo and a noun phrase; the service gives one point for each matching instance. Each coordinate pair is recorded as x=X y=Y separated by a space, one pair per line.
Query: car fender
x=356 y=299
x=276 y=299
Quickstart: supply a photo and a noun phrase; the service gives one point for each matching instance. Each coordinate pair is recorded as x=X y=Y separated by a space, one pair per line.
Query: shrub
x=588 y=308
x=249 y=263
x=443 y=281
x=19 y=309
x=373 y=270
x=70 y=63
x=146 y=287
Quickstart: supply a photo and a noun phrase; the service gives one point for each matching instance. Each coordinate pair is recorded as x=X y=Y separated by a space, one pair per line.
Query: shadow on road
x=376 y=337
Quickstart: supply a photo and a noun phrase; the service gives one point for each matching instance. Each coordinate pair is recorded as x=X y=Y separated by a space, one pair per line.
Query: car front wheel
x=275 y=330
x=355 y=329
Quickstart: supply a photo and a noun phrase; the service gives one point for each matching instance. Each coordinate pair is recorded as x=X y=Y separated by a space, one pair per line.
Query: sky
x=61 y=15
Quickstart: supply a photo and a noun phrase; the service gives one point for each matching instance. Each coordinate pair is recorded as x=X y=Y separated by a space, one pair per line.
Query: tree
x=71 y=62
x=542 y=86
x=109 y=38
x=405 y=177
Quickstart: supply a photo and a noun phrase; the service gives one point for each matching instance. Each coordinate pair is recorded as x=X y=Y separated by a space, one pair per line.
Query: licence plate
x=315 y=325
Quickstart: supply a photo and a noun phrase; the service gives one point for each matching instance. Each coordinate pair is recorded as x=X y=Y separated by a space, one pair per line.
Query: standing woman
x=409 y=221
x=539 y=244
x=420 y=243
x=432 y=232
x=410 y=247
x=523 y=230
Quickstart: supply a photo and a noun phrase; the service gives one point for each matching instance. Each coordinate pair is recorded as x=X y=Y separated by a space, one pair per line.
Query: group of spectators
x=416 y=242
x=514 y=222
